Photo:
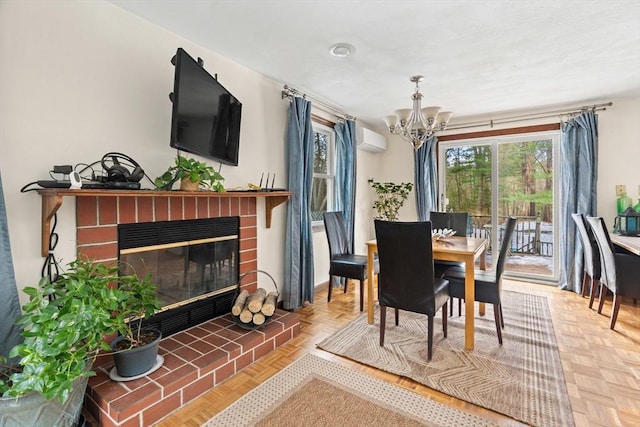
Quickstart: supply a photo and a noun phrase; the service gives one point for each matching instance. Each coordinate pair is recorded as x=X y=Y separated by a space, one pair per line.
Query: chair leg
x=501 y=317
x=346 y=283
x=498 y=315
x=361 y=295
x=585 y=280
x=444 y=319
x=383 y=322
x=595 y=283
x=429 y=337
x=603 y=296
x=451 y=306
x=459 y=307
x=330 y=288
x=397 y=314
x=614 y=311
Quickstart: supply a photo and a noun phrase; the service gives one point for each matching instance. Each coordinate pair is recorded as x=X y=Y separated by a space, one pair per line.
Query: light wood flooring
x=601 y=366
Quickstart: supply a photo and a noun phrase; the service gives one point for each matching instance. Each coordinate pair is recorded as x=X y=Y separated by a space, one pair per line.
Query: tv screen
x=206 y=117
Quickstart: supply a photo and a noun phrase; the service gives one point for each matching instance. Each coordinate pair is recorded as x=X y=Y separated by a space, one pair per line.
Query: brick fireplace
x=201 y=357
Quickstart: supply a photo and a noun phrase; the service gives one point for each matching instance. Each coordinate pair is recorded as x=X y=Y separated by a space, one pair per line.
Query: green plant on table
x=391 y=197
x=194 y=171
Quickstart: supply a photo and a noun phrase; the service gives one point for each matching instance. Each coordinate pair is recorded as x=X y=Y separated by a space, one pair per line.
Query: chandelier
x=417 y=124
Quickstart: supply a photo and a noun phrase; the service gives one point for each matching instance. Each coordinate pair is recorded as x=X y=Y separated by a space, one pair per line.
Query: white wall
x=79 y=79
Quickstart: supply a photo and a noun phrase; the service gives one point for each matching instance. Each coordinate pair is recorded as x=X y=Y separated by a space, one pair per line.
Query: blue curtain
x=9 y=303
x=425 y=176
x=345 y=182
x=578 y=179
x=298 y=286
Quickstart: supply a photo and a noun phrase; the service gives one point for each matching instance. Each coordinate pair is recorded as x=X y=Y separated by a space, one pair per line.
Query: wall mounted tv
x=206 y=118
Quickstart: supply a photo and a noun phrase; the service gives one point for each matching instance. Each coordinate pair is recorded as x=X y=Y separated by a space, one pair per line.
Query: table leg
x=370 y=253
x=469 y=298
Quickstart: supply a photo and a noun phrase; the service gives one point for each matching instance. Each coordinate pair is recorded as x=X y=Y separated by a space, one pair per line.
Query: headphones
x=116 y=167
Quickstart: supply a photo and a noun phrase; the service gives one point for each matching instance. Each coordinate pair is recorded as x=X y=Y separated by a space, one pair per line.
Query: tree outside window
x=323 y=171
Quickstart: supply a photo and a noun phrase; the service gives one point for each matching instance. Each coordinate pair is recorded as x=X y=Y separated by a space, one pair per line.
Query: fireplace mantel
x=52 y=200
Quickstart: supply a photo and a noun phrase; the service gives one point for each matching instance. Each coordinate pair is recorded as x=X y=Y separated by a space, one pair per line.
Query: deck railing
x=529 y=237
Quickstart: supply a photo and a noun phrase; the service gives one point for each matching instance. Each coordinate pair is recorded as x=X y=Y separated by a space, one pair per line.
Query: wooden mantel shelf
x=52 y=200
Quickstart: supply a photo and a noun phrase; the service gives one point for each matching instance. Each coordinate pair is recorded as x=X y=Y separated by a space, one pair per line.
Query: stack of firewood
x=254 y=308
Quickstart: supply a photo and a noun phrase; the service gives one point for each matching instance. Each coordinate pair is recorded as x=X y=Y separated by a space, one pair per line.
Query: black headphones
x=116 y=171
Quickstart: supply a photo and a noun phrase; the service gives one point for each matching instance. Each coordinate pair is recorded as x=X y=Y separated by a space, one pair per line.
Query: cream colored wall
x=79 y=79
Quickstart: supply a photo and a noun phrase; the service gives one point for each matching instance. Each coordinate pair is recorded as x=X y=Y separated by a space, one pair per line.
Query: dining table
x=455 y=248
x=630 y=243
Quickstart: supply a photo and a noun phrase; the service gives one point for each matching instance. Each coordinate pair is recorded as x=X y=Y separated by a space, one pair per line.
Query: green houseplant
x=64 y=326
x=391 y=197
x=192 y=173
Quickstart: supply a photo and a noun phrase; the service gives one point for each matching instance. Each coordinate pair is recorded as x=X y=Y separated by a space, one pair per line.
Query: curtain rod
x=289 y=92
x=533 y=116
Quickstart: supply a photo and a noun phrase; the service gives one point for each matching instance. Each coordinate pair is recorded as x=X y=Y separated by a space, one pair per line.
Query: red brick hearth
x=195 y=360
x=199 y=358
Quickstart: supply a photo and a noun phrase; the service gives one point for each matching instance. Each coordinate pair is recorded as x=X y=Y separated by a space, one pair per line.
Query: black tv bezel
x=180 y=56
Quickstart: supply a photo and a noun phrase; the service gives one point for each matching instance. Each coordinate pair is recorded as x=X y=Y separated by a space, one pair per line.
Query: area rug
x=522 y=379
x=316 y=392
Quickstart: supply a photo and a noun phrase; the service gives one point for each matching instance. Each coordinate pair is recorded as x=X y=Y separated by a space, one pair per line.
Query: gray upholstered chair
x=619 y=270
x=406 y=280
x=591 y=256
x=486 y=290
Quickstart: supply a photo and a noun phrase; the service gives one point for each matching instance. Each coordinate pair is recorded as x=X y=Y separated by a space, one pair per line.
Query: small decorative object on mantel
x=391 y=197
x=193 y=175
x=251 y=311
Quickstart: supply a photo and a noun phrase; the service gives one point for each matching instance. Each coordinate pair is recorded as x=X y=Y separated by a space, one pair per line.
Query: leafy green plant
x=65 y=323
x=194 y=171
x=391 y=197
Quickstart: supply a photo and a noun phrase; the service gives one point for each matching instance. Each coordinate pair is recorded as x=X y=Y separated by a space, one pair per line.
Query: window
x=323 y=171
x=510 y=175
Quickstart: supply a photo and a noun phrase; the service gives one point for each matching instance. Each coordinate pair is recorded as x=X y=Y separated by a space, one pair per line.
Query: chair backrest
x=589 y=245
x=336 y=233
x=458 y=221
x=607 y=252
x=405 y=252
x=505 y=248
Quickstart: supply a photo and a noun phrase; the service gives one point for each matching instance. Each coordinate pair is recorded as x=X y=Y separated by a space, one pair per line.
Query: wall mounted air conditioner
x=369 y=140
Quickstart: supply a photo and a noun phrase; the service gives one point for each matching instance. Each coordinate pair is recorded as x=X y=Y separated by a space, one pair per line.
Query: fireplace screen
x=201 y=261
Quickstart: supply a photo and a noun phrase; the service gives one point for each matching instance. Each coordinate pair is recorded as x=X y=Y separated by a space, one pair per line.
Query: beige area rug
x=523 y=378
x=316 y=392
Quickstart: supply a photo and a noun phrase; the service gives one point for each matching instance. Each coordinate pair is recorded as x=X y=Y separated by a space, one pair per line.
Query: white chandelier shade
x=417 y=124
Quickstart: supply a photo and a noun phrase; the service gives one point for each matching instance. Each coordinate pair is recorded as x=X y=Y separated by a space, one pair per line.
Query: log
x=255 y=300
x=258 y=318
x=240 y=302
x=269 y=305
x=245 y=316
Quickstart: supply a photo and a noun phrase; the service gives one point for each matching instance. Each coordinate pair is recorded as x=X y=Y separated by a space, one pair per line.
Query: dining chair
x=619 y=270
x=457 y=221
x=591 y=257
x=406 y=280
x=342 y=262
x=487 y=290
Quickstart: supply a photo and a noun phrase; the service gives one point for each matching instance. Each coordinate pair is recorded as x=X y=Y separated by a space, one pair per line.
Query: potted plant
x=64 y=324
x=136 y=349
x=192 y=174
x=391 y=197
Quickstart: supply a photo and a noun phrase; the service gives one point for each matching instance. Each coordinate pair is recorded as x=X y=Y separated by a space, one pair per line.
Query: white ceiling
x=477 y=56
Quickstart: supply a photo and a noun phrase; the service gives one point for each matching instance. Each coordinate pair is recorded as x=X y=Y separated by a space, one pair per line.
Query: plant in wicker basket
x=192 y=173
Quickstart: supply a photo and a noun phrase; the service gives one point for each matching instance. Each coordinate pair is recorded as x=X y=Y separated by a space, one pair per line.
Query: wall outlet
x=620 y=190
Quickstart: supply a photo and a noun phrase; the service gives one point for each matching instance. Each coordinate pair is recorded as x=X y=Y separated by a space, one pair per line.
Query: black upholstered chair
x=487 y=290
x=591 y=257
x=406 y=280
x=342 y=262
x=457 y=221
x=619 y=270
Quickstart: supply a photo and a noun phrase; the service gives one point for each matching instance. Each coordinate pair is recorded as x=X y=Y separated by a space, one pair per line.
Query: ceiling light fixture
x=417 y=124
x=342 y=50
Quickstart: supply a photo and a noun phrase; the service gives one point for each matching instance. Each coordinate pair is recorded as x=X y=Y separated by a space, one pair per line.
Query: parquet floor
x=601 y=367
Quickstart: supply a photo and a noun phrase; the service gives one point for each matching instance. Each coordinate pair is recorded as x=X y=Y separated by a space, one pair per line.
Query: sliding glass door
x=494 y=178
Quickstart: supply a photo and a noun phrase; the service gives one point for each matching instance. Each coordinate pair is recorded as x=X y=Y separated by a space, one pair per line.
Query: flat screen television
x=205 y=118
